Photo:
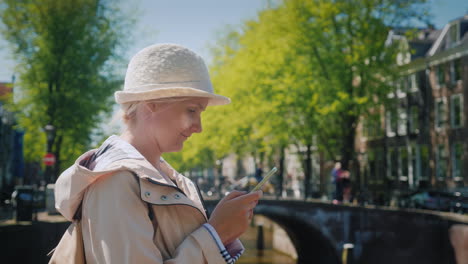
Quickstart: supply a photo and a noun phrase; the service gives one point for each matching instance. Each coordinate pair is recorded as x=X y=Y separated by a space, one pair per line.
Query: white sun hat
x=167 y=71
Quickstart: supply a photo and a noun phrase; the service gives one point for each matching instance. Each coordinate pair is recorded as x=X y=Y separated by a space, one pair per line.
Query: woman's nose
x=197 y=126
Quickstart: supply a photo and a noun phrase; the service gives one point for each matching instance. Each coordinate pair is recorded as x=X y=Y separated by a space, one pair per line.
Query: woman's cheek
x=187 y=122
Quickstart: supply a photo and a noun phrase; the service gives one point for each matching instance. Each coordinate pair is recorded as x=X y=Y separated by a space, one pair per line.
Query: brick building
x=421 y=139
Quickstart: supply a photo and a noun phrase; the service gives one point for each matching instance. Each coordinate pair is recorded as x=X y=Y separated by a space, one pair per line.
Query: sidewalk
x=30 y=241
x=6 y=213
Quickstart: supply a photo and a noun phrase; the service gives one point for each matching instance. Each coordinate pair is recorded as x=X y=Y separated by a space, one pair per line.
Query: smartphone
x=264 y=180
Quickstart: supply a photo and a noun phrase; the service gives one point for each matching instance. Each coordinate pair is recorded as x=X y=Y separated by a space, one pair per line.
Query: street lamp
x=50 y=132
x=219 y=181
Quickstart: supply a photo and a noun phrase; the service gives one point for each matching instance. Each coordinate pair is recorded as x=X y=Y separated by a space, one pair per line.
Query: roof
x=435 y=43
x=422 y=42
x=444 y=41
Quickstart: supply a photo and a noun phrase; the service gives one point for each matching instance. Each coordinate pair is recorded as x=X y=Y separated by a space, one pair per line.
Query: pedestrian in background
x=135 y=208
x=259 y=173
x=346 y=185
x=335 y=173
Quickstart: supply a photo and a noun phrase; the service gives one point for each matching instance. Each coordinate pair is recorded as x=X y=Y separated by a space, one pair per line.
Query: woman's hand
x=231 y=216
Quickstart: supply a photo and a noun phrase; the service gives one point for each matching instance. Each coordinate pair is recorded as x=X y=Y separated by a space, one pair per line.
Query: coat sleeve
x=117 y=228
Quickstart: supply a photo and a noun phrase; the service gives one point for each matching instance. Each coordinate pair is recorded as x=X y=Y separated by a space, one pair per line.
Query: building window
x=456 y=110
x=457 y=158
x=402 y=121
x=374 y=174
x=440 y=75
x=371 y=164
x=455 y=71
x=413 y=83
x=376 y=163
x=403 y=163
x=441 y=162
x=402 y=87
x=388 y=156
x=414 y=119
x=392 y=158
x=391 y=122
x=373 y=127
x=440 y=113
x=415 y=172
x=419 y=160
x=424 y=161
x=380 y=159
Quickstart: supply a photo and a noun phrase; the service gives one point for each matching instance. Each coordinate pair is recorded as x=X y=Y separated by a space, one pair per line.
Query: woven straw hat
x=167 y=71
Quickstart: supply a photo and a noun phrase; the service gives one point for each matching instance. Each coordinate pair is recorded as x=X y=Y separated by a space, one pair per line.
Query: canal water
x=266 y=256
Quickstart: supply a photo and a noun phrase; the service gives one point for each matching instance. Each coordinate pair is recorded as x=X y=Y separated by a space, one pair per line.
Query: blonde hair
x=128 y=110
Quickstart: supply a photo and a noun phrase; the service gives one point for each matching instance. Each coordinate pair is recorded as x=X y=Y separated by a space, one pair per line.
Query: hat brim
x=123 y=97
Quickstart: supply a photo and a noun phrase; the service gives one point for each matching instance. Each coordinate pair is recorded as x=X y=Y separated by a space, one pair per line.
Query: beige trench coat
x=115 y=221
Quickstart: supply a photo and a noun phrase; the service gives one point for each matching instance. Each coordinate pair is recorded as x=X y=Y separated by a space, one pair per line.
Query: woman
x=135 y=207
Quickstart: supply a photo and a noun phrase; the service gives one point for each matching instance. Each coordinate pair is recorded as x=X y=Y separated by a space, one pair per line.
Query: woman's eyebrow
x=198 y=105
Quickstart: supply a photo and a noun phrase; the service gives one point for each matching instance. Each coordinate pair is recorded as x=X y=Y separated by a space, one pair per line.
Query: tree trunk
x=3 y=156
x=4 y=174
x=324 y=178
x=255 y=159
x=220 y=178
x=307 y=171
x=240 y=170
x=57 y=149
x=347 y=149
x=281 y=171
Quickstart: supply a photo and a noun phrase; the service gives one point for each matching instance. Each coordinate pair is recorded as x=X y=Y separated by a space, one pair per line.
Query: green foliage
x=67 y=55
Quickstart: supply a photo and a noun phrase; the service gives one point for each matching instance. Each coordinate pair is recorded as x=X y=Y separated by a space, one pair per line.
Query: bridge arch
x=319 y=230
x=311 y=244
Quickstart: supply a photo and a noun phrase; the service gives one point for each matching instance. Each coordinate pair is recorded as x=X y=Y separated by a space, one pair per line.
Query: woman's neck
x=151 y=154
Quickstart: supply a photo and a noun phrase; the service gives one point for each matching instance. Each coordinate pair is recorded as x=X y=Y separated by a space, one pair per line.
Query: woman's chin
x=175 y=148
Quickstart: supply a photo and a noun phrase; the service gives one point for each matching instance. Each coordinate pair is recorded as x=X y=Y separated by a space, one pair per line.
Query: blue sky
x=195 y=24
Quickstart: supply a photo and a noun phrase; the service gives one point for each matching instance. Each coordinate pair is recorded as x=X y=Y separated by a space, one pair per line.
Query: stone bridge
x=319 y=230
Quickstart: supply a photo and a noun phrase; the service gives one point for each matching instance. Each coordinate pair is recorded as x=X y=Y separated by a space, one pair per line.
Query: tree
x=67 y=52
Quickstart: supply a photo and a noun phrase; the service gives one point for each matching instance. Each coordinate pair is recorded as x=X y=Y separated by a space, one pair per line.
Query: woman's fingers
x=249 y=197
x=231 y=216
x=248 y=201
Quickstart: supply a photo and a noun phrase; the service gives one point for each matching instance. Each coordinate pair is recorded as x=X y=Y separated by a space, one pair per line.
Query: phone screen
x=265 y=179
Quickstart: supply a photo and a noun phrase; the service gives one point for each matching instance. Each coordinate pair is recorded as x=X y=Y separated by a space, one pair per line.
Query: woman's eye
x=192 y=110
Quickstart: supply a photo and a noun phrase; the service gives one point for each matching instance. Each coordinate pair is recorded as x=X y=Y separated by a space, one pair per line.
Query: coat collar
x=115 y=150
x=116 y=154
